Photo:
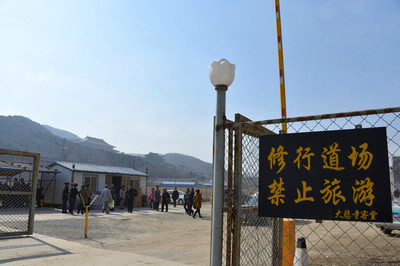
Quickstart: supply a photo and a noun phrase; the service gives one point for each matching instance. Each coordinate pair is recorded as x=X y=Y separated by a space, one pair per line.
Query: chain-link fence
x=253 y=240
x=18 y=175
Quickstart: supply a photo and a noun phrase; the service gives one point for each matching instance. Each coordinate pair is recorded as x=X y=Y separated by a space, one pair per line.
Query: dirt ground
x=174 y=236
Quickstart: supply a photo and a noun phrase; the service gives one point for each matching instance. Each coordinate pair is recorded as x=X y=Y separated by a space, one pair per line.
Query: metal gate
x=252 y=240
x=18 y=179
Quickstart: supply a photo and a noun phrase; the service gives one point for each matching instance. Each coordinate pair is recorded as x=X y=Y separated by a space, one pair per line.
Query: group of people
x=156 y=196
x=70 y=195
x=191 y=200
x=121 y=198
x=110 y=197
x=15 y=201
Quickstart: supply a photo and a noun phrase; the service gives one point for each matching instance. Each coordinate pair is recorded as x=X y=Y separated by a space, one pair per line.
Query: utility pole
x=281 y=68
x=63 y=149
x=134 y=162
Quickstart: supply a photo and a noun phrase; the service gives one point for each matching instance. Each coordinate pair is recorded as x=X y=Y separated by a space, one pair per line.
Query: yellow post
x=86 y=220
x=87 y=213
x=289 y=241
x=289 y=225
x=87 y=216
x=281 y=69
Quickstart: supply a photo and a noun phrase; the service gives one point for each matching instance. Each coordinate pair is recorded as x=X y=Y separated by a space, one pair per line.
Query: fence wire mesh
x=253 y=240
x=17 y=181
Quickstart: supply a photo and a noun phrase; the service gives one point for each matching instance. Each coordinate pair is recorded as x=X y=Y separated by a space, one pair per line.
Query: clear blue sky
x=135 y=73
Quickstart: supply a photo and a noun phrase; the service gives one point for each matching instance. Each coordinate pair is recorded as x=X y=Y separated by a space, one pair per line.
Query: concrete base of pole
x=301 y=256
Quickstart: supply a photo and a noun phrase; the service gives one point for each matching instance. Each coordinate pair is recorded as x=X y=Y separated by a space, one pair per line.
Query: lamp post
x=221 y=75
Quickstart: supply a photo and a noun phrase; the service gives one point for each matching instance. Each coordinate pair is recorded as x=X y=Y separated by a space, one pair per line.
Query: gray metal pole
x=218 y=179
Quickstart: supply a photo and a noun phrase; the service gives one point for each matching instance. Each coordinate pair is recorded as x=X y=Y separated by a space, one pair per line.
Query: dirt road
x=173 y=236
x=176 y=237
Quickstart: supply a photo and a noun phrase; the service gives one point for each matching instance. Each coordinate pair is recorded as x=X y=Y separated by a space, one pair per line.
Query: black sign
x=330 y=175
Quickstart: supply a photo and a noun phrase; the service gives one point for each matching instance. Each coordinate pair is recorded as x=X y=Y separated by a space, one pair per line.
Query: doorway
x=116 y=180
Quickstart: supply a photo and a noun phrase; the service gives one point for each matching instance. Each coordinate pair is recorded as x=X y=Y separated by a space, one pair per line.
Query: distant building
x=47 y=177
x=97 y=176
x=96 y=144
x=177 y=184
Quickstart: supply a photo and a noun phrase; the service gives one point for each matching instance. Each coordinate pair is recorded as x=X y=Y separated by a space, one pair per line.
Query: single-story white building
x=97 y=176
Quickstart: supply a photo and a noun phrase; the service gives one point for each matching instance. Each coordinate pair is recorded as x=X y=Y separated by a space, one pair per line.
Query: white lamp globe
x=222 y=73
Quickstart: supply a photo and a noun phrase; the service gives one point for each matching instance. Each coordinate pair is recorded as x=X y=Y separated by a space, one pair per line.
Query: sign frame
x=327 y=175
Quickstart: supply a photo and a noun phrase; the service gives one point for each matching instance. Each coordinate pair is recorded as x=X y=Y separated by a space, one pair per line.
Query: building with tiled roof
x=96 y=144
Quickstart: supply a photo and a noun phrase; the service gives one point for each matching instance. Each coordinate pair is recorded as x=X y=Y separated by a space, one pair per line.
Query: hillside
x=62 y=133
x=21 y=133
x=189 y=163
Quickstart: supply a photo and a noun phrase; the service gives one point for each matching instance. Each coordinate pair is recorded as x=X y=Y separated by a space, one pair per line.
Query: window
x=135 y=183
x=93 y=181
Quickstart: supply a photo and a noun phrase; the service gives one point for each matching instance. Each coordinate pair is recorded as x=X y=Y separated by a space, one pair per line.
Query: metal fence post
x=229 y=217
x=218 y=179
x=35 y=171
x=18 y=202
x=237 y=194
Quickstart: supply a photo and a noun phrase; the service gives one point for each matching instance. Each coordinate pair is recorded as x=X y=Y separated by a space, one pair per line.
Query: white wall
x=143 y=185
x=78 y=178
x=65 y=175
x=102 y=181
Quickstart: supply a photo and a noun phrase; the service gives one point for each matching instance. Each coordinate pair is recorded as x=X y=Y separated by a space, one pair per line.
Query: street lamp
x=222 y=74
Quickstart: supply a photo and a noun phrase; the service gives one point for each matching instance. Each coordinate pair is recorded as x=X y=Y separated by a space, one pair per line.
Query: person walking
x=39 y=195
x=165 y=199
x=157 y=198
x=106 y=197
x=83 y=198
x=89 y=193
x=6 y=198
x=72 y=198
x=186 y=201
x=64 y=197
x=190 y=201
x=114 y=194
x=16 y=199
x=197 y=203
x=132 y=193
x=151 y=199
x=121 y=198
x=24 y=187
x=175 y=196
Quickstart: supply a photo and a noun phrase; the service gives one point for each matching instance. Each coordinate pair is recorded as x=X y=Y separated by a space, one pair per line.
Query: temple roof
x=95 y=141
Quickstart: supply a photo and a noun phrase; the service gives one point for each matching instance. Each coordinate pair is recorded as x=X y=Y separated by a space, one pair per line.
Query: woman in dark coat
x=65 y=195
x=130 y=197
x=175 y=196
x=197 y=203
x=190 y=201
x=186 y=201
x=165 y=199
x=72 y=198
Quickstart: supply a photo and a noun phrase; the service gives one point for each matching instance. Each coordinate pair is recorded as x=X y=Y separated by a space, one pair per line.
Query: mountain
x=189 y=163
x=62 y=133
x=21 y=133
